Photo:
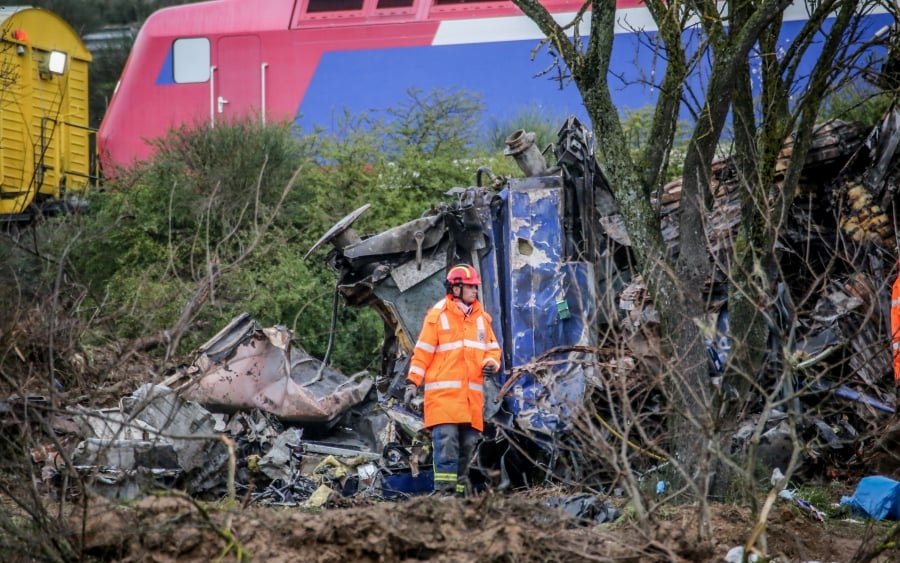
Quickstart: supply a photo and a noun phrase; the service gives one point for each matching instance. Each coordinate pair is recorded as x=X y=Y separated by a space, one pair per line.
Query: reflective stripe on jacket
x=448 y=358
x=895 y=327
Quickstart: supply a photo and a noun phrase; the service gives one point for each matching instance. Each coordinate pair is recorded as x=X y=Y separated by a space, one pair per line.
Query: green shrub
x=544 y=126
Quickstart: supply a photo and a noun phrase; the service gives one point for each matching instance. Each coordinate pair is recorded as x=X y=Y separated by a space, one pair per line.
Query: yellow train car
x=46 y=145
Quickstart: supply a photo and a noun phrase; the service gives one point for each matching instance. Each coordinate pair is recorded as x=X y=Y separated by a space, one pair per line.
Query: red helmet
x=463 y=274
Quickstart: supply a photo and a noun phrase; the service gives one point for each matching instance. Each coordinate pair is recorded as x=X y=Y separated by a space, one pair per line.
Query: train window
x=56 y=63
x=387 y=4
x=333 y=6
x=191 y=60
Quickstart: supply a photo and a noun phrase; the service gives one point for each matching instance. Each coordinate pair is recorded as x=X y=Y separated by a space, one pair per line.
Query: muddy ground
x=489 y=528
x=513 y=527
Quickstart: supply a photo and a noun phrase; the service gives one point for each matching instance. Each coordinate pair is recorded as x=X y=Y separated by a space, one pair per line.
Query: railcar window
x=191 y=60
x=385 y=4
x=333 y=6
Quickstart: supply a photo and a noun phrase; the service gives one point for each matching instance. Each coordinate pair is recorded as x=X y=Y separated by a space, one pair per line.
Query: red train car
x=310 y=60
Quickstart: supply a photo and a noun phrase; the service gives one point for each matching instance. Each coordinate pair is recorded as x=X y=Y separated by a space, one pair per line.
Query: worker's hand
x=488 y=370
x=409 y=394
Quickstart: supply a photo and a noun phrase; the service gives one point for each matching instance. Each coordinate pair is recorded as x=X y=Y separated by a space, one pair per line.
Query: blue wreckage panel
x=547 y=305
x=532 y=242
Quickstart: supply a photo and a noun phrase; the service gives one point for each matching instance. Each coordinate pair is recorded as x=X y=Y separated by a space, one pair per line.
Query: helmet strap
x=450 y=287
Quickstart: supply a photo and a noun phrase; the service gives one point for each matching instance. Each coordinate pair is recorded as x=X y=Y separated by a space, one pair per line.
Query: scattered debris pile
x=533 y=241
x=154 y=434
x=254 y=416
x=557 y=264
x=257 y=416
x=837 y=251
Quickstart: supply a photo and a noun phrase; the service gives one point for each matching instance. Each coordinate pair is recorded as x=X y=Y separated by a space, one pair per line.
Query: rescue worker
x=456 y=350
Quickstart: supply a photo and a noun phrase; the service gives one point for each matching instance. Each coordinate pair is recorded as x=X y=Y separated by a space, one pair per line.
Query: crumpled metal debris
x=153 y=434
x=831 y=314
x=585 y=509
x=553 y=254
x=246 y=367
x=555 y=243
x=161 y=436
x=280 y=461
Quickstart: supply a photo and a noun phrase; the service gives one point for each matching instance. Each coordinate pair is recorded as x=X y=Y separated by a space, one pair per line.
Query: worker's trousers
x=454 y=447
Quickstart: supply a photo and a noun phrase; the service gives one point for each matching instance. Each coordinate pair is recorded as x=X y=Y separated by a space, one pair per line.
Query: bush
x=543 y=126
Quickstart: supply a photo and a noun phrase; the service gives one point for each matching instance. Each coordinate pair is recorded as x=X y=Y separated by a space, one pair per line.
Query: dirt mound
x=489 y=528
x=435 y=529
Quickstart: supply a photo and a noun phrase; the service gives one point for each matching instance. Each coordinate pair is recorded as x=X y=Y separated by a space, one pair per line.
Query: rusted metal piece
x=246 y=367
x=520 y=145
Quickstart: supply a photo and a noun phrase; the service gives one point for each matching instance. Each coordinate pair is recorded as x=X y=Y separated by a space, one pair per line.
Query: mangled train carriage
x=544 y=259
x=570 y=314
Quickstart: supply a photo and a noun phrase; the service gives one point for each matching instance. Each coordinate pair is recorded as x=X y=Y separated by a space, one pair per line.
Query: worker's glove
x=409 y=394
x=488 y=371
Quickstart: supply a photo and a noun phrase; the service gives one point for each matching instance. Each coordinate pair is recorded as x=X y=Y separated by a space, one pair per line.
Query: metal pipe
x=262 y=90
x=212 y=96
x=484 y=170
x=520 y=145
x=338 y=451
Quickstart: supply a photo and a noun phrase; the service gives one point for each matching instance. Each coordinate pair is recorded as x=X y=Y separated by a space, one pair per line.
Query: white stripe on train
x=519 y=28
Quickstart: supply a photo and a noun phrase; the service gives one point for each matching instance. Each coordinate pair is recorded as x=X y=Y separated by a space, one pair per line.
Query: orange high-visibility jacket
x=895 y=327
x=449 y=356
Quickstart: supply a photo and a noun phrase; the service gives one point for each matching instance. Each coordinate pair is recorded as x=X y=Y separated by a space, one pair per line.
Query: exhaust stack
x=520 y=145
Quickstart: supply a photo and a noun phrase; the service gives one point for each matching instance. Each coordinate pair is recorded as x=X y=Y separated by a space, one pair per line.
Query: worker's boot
x=468 y=445
x=445 y=441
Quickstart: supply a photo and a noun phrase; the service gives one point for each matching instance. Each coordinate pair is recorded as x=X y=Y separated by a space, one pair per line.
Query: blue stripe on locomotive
x=167 y=72
x=502 y=75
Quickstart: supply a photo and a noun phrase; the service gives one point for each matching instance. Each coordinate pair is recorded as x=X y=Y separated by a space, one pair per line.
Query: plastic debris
x=319 y=497
x=876 y=497
x=791 y=495
x=736 y=555
x=777 y=477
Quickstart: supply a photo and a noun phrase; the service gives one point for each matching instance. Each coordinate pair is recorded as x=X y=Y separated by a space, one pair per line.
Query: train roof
x=219 y=17
x=45 y=30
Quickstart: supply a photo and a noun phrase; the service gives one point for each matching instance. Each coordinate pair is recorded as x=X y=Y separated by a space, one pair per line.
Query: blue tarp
x=403 y=483
x=876 y=497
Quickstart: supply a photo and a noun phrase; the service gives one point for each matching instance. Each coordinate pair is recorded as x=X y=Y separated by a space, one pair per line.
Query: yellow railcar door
x=17 y=187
